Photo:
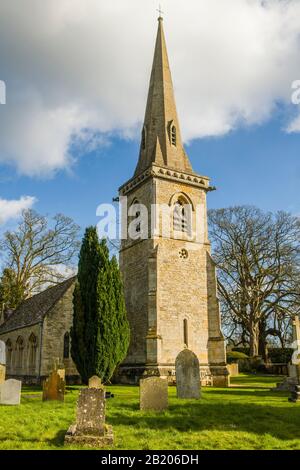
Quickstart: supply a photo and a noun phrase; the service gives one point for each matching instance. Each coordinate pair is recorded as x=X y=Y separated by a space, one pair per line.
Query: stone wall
x=49 y=336
x=56 y=324
x=20 y=363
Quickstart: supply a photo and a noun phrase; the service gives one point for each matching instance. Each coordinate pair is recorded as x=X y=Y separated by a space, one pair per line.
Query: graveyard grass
x=246 y=416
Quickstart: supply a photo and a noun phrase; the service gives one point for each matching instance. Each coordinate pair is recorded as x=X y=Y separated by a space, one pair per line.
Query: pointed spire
x=161 y=138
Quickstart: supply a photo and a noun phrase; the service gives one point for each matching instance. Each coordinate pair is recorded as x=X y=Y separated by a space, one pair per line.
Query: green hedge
x=235 y=356
x=276 y=355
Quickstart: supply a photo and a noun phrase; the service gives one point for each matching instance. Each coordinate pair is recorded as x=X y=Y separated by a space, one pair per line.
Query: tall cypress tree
x=100 y=333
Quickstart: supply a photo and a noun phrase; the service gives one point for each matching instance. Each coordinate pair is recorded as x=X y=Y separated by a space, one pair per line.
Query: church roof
x=161 y=138
x=33 y=310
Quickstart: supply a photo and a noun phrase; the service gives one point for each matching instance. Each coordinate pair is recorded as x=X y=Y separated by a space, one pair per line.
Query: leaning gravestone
x=10 y=392
x=187 y=375
x=54 y=387
x=154 y=394
x=2 y=361
x=90 y=428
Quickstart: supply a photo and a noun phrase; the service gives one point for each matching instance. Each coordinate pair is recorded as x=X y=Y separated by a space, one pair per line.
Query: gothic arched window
x=180 y=217
x=32 y=343
x=9 y=350
x=137 y=214
x=67 y=345
x=19 y=352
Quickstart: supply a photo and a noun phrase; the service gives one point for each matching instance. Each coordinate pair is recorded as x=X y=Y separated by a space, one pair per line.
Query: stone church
x=37 y=334
x=170 y=282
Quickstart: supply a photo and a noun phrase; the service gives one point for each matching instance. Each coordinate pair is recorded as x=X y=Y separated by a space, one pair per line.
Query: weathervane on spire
x=160 y=13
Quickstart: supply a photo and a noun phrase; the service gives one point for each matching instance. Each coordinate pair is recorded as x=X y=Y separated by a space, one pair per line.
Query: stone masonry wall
x=56 y=324
x=15 y=366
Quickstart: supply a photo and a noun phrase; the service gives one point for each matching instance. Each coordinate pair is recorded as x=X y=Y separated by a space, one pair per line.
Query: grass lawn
x=245 y=416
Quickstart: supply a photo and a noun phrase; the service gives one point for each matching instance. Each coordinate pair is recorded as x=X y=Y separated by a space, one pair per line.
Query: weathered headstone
x=10 y=392
x=95 y=382
x=54 y=387
x=154 y=394
x=187 y=375
x=90 y=428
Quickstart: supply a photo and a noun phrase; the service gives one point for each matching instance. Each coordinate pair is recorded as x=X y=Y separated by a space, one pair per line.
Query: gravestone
x=90 y=428
x=187 y=375
x=10 y=392
x=54 y=387
x=295 y=395
x=2 y=361
x=296 y=340
x=95 y=382
x=154 y=394
x=290 y=382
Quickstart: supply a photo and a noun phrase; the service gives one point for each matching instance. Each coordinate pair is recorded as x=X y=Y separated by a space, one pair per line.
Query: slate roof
x=33 y=310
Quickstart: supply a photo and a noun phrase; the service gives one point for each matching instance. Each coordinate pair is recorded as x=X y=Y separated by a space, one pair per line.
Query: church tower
x=169 y=276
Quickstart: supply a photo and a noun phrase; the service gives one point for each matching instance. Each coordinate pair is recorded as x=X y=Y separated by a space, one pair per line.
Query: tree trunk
x=262 y=348
x=262 y=341
x=254 y=340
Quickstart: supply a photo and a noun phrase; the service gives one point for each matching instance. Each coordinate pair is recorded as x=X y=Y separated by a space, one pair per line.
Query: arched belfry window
x=180 y=217
x=137 y=215
x=144 y=136
x=67 y=345
x=182 y=211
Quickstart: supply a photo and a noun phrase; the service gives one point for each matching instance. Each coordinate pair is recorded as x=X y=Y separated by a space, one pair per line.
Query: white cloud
x=294 y=125
x=11 y=209
x=82 y=68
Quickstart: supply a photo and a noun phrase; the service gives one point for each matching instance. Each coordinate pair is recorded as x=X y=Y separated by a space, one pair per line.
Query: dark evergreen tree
x=100 y=332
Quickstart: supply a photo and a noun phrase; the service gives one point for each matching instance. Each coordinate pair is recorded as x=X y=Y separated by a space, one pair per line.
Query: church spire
x=161 y=142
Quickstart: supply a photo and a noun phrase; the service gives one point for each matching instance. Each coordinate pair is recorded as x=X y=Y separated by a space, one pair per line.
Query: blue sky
x=258 y=165
x=77 y=75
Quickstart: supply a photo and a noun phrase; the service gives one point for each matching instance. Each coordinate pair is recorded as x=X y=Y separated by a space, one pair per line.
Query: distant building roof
x=33 y=310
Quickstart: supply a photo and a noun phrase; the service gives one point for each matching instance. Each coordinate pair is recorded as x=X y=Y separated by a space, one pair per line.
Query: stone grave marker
x=95 y=382
x=10 y=392
x=154 y=394
x=90 y=428
x=187 y=375
x=54 y=387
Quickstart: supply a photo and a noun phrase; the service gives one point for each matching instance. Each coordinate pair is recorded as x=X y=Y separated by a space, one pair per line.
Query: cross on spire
x=160 y=12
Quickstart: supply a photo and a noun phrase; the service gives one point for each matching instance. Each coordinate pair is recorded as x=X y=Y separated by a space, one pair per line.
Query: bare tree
x=36 y=249
x=257 y=256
